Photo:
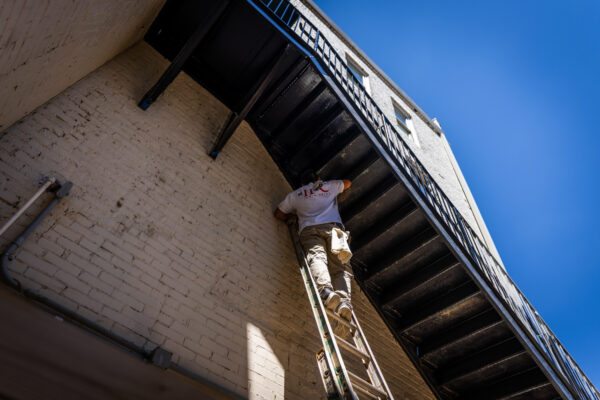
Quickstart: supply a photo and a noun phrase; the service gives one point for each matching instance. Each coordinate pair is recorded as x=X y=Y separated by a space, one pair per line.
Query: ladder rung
x=365 y=386
x=341 y=320
x=365 y=392
x=353 y=349
x=336 y=378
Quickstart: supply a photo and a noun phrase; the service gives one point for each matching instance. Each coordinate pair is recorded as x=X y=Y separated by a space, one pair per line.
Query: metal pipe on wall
x=63 y=191
x=158 y=356
x=49 y=182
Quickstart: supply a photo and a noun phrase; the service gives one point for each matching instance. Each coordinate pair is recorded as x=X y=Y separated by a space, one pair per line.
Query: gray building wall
x=429 y=142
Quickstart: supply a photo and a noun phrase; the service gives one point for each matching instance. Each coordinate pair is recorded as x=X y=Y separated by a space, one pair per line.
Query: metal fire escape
x=461 y=319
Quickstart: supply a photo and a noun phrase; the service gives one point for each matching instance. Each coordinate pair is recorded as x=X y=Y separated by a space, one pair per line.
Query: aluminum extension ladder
x=338 y=381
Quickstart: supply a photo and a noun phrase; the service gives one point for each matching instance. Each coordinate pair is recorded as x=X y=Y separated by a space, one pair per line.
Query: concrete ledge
x=43 y=357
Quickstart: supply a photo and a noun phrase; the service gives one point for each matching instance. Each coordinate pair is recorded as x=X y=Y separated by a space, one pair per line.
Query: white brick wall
x=48 y=45
x=165 y=246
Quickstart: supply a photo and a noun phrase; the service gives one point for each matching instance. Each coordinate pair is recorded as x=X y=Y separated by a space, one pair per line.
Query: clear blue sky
x=516 y=87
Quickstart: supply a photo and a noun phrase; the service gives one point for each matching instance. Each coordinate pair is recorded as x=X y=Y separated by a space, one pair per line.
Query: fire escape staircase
x=465 y=325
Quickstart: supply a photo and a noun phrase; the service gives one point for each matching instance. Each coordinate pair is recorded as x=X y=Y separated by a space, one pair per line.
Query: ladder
x=339 y=382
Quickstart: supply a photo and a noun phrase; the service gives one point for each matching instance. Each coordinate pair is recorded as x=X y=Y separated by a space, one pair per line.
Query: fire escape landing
x=462 y=321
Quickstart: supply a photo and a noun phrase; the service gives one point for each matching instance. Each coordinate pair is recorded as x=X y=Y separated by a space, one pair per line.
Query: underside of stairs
x=463 y=323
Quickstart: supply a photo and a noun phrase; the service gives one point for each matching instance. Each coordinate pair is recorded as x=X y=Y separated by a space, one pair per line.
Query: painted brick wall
x=165 y=246
x=47 y=45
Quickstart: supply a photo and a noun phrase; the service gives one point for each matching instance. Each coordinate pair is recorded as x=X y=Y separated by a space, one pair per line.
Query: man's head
x=307 y=177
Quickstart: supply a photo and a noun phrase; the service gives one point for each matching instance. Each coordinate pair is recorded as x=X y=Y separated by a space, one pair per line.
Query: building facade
x=157 y=242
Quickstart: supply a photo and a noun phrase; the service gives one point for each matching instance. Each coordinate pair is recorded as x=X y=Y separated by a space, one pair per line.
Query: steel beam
x=422 y=276
x=361 y=167
x=380 y=227
x=184 y=54
x=517 y=385
x=481 y=324
x=283 y=85
x=446 y=303
x=298 y=110
x=486 y=359
x=401 y=251
x=235 y=119
x=369 y=199
x=319 y=128
x=328 y=154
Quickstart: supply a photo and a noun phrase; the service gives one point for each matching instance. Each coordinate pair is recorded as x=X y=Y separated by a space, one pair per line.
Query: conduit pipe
x=158 y=356
x=60 y=191
x=48 y=182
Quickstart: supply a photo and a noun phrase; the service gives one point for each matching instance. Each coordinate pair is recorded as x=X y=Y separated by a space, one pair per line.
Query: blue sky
x=516 y=86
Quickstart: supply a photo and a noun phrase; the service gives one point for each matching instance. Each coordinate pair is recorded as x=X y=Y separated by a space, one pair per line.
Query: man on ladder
x=324 y=240
x=323 y=254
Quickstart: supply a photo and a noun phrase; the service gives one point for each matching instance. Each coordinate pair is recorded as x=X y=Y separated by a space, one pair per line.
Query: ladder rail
x=373 y=368
x=359 y=343
x=345 y=382
x=330 y=347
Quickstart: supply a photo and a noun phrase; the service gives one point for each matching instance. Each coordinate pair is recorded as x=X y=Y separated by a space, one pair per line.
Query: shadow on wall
x=157 y=242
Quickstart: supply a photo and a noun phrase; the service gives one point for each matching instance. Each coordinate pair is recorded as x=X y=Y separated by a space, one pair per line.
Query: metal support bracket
x=161 y=357
x=184 y=54
x=235 y=119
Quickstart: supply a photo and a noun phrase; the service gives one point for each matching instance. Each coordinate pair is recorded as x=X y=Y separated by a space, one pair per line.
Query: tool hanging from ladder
x=339 y=382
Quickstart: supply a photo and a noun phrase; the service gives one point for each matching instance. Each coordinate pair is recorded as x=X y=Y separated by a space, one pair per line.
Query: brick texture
x=165 y=246
x=48 y=45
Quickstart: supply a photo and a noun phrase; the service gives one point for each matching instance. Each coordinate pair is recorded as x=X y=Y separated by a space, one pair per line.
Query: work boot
x=344 y=310
x=331 y=299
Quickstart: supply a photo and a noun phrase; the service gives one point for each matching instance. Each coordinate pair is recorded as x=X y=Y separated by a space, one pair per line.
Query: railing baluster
x=405 y=159
x=291 y=15
x=277 y=8
x=303 y=29
x=387 y=134
x=284 y=11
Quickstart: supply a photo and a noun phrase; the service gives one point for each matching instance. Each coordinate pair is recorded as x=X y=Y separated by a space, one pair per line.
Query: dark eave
x=463 y=323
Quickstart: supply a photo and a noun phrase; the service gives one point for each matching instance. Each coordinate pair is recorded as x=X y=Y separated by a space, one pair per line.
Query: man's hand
x=347 y=183
x=281 y=215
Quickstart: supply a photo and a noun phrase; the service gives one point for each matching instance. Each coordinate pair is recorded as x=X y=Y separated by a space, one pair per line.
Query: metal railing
x=492 y=271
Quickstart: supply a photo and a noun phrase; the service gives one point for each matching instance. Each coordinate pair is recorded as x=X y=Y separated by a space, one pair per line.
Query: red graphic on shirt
x=311 y=192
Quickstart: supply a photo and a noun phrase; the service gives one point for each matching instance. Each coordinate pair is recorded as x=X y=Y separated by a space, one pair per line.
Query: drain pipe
x=60 y=192
x=48 y=182
x=158 y=356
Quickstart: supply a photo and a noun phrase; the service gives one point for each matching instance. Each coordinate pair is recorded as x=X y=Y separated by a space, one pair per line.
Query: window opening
x=358 y=73
x=404 y=123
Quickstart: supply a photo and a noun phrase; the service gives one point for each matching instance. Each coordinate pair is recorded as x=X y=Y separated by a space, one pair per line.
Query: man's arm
x=281 y=215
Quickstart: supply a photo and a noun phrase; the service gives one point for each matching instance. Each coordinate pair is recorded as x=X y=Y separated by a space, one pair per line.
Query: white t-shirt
x=314 y=207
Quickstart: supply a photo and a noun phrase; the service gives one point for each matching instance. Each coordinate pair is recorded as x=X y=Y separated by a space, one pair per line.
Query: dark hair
x=307 y=177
